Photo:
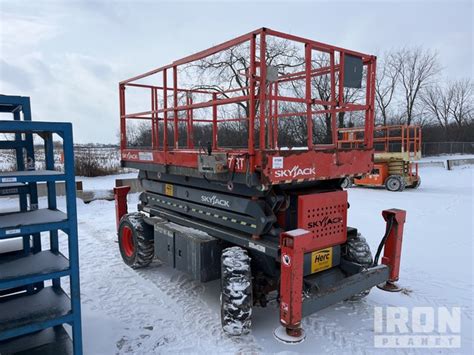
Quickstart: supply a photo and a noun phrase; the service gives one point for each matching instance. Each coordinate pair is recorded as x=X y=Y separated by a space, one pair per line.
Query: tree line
x=411 y=88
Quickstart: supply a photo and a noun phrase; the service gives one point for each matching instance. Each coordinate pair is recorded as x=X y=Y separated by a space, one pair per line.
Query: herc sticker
x=321 y=260
x=277 y=163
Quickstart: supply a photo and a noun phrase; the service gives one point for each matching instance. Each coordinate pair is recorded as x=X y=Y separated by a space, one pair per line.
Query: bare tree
x=462 y=108
x=453 y=103
x=226 y=74
x=228 y=69
x=438 y=102
x=385 y=84
x=417 y=68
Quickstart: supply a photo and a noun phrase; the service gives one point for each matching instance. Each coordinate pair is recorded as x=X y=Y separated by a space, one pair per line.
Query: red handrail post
x=214 y=121
x=165 y=110
x=370 y=102
x=340 y=99
x=275 y=118
x=309 y=114
x=333 y=94
x=175 y=108
x=270 y=116
x=154 y=118
x=251 y=128
x=123 y=125
x=190 y=122
x=263 y=87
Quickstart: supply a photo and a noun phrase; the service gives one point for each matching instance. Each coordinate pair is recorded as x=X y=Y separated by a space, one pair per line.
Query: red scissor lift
x=396 y=150
x=274 y=214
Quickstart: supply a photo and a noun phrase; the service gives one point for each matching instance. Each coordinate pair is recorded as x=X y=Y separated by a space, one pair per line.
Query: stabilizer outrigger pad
x=389 y=286
x=282 y=335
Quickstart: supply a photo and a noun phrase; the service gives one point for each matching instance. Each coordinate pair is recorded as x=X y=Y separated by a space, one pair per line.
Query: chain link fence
x=439 y=148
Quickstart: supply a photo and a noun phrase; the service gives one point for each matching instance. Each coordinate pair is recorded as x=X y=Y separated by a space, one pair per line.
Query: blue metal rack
x=33 y=306
x=19 y=107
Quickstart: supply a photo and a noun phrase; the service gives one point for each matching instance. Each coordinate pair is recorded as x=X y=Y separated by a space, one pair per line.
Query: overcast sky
x=70 y=55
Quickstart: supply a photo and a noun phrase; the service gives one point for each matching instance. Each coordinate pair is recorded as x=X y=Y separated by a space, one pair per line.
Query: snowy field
x=160 y=310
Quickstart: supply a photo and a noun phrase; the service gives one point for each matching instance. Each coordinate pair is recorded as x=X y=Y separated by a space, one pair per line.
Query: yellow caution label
x=321 y=260
x=168 y=189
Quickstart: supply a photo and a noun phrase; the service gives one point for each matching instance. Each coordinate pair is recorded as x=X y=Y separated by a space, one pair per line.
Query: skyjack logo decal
x=130 y=155
x=148 y=156
x=325 y=222
x=214 y=200
x=295 y=172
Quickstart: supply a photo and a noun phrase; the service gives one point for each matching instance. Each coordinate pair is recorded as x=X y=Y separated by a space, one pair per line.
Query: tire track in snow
x=187 y=294
x=139 y=298
x=327 y=324
x=420 y=294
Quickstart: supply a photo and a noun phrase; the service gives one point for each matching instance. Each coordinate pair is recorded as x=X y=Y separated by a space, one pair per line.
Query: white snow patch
x=160 y=310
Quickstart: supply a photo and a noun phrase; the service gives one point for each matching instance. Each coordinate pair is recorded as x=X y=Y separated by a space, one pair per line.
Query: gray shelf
x=31 y=176
x=22 y=219
x=51 y=341
x=9 y=185
x=41 y=266
x=19 y=311
x=14 y=188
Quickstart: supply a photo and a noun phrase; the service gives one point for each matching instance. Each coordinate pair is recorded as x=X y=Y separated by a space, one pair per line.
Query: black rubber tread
x=142 y=238
x=346 y=183
x=399 y=179
x=236 y=291
x=416 y=184
x=358 y=251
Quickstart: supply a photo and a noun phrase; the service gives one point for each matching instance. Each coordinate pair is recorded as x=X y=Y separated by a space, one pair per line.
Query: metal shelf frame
x=27 y=303
x=20 y=108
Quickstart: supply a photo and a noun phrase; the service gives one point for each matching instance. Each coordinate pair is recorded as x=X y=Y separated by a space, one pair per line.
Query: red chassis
x=295 y=243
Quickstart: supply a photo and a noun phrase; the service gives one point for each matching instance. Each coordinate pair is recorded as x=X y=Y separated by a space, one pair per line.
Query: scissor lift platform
x=217 y=152
x=396 y=150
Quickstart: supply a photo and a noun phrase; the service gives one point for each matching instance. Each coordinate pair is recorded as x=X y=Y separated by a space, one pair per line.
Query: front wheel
x=236 y=296
x=135 y=239
x=395 y=183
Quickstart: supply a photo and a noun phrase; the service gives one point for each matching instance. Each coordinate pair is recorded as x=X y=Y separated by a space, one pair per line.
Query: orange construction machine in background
x=396 y=150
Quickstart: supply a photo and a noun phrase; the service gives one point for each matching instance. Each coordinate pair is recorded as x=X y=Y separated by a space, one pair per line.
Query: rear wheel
x=358 y=251
x=135 y=241
x=416 y=184
x=236 y=296
x=395 y=183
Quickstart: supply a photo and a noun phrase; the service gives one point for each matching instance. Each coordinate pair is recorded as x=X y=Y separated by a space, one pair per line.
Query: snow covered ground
x=160 y=310
x=103 y=182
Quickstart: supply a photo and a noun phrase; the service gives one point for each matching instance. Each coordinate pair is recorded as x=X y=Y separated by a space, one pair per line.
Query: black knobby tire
x=236 y=291
x=358 y=251
x=416 y=184
x=346 y=183
x=395 y=183
x=136 y=241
